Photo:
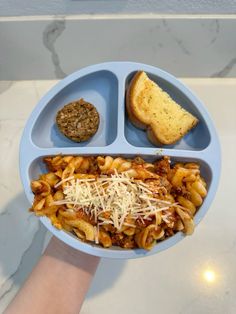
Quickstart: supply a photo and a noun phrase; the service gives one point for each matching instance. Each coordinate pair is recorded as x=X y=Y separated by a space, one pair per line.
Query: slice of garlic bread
x=149 y=107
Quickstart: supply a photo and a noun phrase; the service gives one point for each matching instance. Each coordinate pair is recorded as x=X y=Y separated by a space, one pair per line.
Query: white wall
x=63 y=7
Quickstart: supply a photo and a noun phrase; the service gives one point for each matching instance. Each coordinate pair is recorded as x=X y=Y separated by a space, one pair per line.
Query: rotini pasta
x=116 y=201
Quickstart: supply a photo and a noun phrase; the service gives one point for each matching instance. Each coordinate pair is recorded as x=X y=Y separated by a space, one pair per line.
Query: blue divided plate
x=104 y=86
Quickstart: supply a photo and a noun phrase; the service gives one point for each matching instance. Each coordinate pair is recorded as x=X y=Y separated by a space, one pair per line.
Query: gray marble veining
x=178 y=40
x=4 y=86
x=227 y=69
x=185 y=47
x=215 y=30
x=50 y=35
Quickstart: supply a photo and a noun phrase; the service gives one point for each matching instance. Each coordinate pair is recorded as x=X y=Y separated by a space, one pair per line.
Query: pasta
x=116 y=201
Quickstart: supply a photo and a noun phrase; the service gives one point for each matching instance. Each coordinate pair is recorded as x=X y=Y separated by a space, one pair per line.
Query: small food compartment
x=196 y=139
x=100 y=89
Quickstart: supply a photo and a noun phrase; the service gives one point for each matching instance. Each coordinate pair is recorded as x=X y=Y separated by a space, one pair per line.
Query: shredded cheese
x=62 y=181
x=117 y=200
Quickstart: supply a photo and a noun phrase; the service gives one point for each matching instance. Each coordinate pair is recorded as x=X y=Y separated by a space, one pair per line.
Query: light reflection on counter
x=209 y=275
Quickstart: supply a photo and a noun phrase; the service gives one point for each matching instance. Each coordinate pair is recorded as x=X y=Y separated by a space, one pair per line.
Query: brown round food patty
x=79 y=120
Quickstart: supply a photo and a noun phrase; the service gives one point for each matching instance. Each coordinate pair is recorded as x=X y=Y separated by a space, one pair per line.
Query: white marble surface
x=187 y=46
x=196 y=276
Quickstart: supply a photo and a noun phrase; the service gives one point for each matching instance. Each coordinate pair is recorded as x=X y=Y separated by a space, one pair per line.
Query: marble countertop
x=198 y=275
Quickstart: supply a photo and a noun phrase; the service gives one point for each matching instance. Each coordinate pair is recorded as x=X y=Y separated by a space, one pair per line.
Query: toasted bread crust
x=130 y=104
x=159 y=129
x=161 y=140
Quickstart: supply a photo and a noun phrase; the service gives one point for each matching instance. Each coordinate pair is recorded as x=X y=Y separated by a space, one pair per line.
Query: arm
x=58 y=283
